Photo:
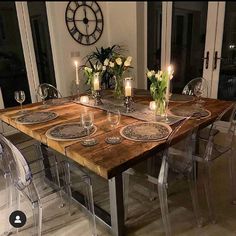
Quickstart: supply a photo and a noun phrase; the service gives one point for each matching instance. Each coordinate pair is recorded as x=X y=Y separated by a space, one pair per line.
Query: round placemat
x=187 y=111
x=36 y=117
x=69 y=132
x=181 y=98
x=146 y=131
x=57 y=101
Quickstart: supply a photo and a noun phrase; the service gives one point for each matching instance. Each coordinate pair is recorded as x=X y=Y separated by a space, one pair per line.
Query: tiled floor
x=144 y=216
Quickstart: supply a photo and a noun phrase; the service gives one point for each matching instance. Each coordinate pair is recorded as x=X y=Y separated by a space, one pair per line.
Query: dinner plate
x=146 y=131
x=192 y=110
x=36 y=117
x=69 y=132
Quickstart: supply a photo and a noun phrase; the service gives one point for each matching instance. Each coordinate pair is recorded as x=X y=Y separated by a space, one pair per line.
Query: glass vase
x=118 y=90
x=160 y=107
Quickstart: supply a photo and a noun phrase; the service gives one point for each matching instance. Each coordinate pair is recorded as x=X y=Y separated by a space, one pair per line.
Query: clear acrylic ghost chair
x=29 y=184
x=8 y=201
x=189 y=89
x=213 y=148
x=53 y=92
x=192 y=84
x=179 y=162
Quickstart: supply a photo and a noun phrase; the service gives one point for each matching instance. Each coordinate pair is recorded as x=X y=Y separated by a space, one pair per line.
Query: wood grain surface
x=104 y=159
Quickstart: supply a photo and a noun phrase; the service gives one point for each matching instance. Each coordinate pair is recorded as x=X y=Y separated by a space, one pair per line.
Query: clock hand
x=85 y=13
x=87 y=28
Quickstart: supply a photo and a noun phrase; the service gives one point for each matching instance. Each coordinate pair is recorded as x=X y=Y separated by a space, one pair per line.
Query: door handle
x=215 y=59
x=207 y=59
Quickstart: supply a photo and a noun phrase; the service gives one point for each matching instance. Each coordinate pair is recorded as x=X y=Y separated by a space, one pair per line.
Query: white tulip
x=127 y=63
x=153 y=72
x=118 y=61
x=106 y=62
x=158 y=75
x=149 y=74
x=88 y=69
x=129 y=59
x=111 y=64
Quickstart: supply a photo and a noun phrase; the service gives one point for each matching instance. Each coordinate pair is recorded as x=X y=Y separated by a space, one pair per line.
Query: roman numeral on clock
x=87 y=39
x=98 y=29
x=73 y=30
x=80 y=37
x=94 y=36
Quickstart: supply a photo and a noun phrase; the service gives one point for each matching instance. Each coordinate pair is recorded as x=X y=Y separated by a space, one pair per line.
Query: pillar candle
x=84 y=99
x=128 y=88
x=96 y=85
x=76 y=73
x=152 y=105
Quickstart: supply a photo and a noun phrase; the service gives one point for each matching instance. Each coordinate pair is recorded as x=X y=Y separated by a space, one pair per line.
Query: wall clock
x=84 y=20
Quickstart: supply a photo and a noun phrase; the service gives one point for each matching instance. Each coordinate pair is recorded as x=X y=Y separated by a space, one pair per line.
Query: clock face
x=84 y=21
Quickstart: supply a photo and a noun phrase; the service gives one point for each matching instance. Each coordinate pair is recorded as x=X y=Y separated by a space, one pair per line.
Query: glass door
x=41 y=40
x=189 y=41
x=224 y=63
x=188 y=37
x=13 y=74
x=154 y=32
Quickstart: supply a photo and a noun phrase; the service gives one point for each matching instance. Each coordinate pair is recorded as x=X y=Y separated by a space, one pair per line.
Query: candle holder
x=97 y=98
x=77 y=91
x=128 y=104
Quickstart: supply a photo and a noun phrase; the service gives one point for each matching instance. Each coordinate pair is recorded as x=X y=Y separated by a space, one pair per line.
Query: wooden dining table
x=106 y=160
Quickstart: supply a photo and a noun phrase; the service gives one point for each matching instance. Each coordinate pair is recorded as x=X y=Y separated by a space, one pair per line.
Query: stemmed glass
x=20 y=98
x=87 y=120
x=113 y=118
x=167 y=100
x=198 y=91
x=43 y=93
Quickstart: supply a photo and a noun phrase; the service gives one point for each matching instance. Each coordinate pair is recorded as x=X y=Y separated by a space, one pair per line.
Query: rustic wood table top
x=104 y=159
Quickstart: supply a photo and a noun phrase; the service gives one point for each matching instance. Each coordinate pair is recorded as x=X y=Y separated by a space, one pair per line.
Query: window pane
x=12 y=64
x=41 y=40
x=154 y=36
x=227 y=77
x=187 y=41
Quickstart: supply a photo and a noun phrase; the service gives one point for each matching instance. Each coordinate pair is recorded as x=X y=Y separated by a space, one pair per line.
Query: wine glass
x=87 y=120
x=167 y=100
x=20 y=98
x=113 y=118
x=43 y=93
x=198 y=91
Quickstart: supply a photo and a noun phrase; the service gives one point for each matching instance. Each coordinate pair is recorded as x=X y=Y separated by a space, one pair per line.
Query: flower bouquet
x=159 y=88
x=100 y=55
x=117 y=66
x=92 y=72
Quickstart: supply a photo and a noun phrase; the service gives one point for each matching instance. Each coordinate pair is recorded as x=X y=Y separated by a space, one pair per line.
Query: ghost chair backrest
x=191 y=86
x=53 y=92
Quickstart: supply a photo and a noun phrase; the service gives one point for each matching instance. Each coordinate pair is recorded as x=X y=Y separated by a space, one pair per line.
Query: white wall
x=63 y=44
x=120 y=27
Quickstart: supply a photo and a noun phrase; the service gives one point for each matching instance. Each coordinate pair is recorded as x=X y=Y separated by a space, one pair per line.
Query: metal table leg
x=117 y=205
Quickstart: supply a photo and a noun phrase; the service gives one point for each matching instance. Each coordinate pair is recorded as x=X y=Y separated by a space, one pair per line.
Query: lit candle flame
x=169 y=69
x=76 y=63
